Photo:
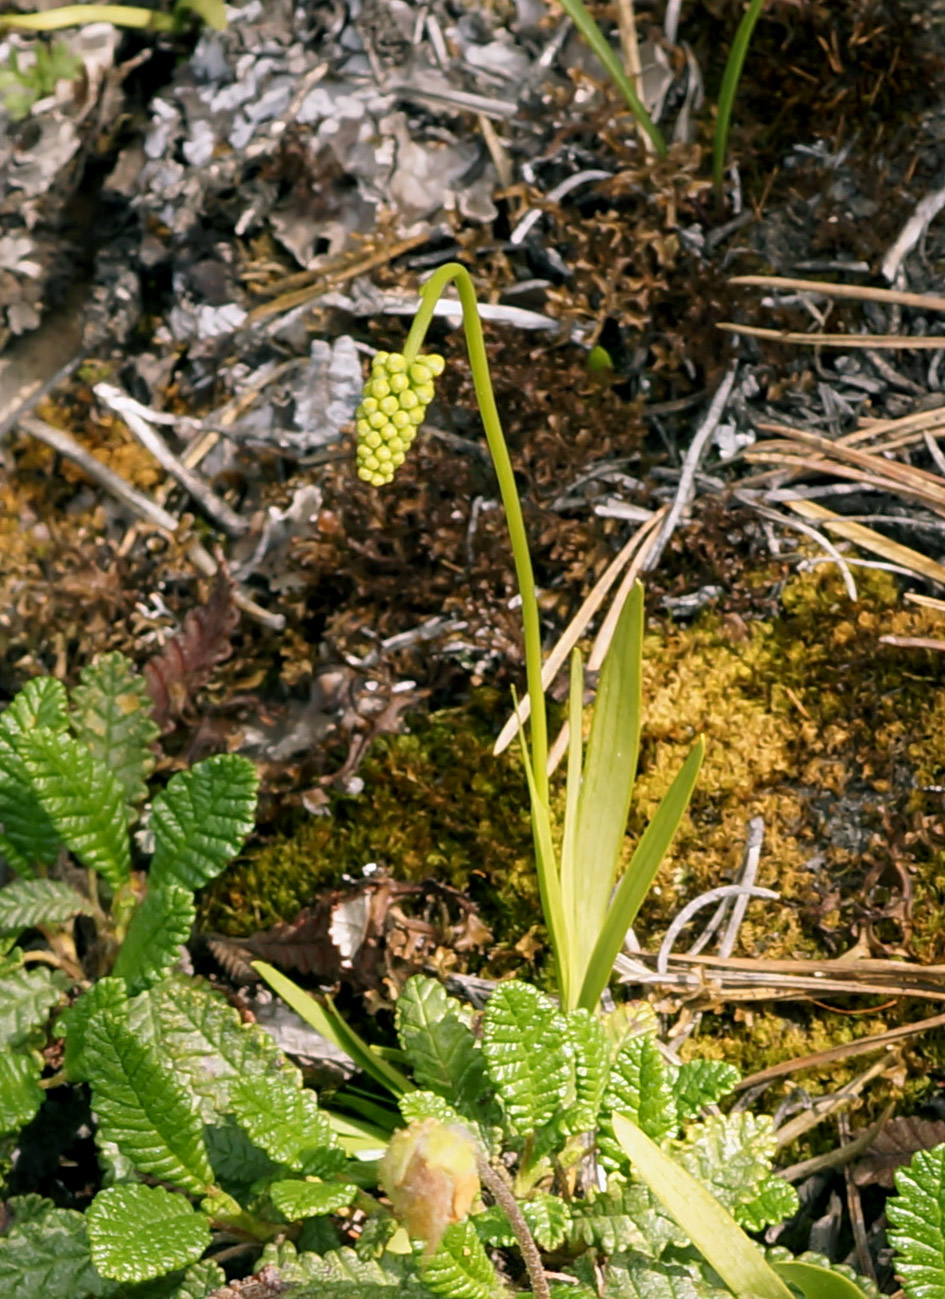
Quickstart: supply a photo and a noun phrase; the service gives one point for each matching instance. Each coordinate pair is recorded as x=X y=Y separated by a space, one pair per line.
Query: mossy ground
x=810 y=722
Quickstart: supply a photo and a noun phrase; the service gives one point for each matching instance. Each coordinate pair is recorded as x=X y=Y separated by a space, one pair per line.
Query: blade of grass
x=327 y=1021
x=711 y=1228
x=610 y=765
x=577 y=12
x=639 y=876
x=730 y=80
x=573 y=788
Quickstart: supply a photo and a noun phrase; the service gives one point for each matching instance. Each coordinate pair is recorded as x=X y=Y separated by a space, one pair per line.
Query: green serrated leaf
x=143 y=1106
x=548 y=1218
x=28 y=836
x=199 y=1281
x=528 y=1055
x=439 y=1045
x=202 y=818
x=24 y=904
x=640 y=1088
x=237 y=1164
x=160 y=926
x=632 y=1275
x=427 y=1105
x=702 y=1082
x=105 y=994
x=731 y=1155
x=47 y=1257
x=342 y=1274
x=775 y=1202
x=138 y=1232
x=28 y=997
x=591 y=1067
x=83 y=800
x=20 y=1092
x=111 y=716
x=917 y=1219
x=284 y=1120
x=627 y=1218
x=297 y=1199
x=459 y=1268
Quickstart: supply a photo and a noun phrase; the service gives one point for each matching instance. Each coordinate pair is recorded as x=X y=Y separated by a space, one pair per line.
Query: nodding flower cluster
x=393 y=407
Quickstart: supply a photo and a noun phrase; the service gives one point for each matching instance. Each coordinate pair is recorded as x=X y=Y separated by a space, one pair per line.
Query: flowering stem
x=526 y=1241
x=479 y=364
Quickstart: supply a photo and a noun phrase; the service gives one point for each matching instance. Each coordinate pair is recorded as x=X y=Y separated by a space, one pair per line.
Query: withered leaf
x=894 y=1146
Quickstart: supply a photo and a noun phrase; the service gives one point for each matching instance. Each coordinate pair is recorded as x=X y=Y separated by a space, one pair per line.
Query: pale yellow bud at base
x=430 y=1174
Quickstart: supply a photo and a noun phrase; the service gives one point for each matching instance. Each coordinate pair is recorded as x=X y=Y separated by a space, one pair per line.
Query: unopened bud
x=393 y=406
x=430 y=1175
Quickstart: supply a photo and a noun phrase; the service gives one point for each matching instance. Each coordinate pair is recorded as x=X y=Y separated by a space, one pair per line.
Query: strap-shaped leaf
x=140 y=1232
x=202 y=818
x=702 y=1082
x=283 y=1119
x=159 y=928
x=640 y=1088
x=20 y=1092
x=459 y=1268
x=27 y=903
x=297 y=1199
x=917 y=1216
x=143 y=1107
x=47 y=1257
x=111 y=715
x=439 y=1045
x=28 y=997
x=83 y=799
x=528 y=1055
x=591 y=1067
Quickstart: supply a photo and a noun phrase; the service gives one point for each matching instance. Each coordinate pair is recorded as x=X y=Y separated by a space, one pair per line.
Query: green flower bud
x=394 y=405
x=430 y=1174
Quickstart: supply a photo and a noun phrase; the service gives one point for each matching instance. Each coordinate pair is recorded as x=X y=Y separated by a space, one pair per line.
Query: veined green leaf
x=28 y=997
x=326 y=1020
x=47 y=1256
x=638 y=877
x=459 y=1268
x=41 y=704
x=702 y=1082
x=20 y=1092
x=775 y=1201
x=142 y=1105
x=83 y=800
x=202 y=818
x=628 y=1217
x=297 y=1199
x=731 y=1155
x=590 y=867
x=28 y=836
x=284 y=1120
x=917 y=1219
x=640 y=1088
x=159 y=928
x=591 y=1067
x=199 y=1281
x=104 y=994
x=111 y=716
x=528 y=1055
x=24 y=904
x=439 y=1045
x=341 y=1274
x=140 y=1232
x=633 y=1275
x=710 y=1227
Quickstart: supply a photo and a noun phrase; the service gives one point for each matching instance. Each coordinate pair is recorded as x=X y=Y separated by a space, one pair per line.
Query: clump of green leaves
x=23 y=83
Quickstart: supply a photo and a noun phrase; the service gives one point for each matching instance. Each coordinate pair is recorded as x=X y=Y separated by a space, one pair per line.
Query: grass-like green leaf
x=24 y=904
x=140 y=1232
x=730 y=80
x=283 y=1119
x=639 y=875
x=917 y=1219
x=710 y=1227
x=47 y=1257
x=82 y=798
x=459 y=1268
x=28 y=997
x=591 y=849
x=702 y=1082
x=202 y=818
x=528 y=1056
x=143 y=1107
x=159 y=928
x=326 y=1020
x=111 y=715
x=439 y=1045
x=20 y=1092
x=296 y=1199
x=580 y=16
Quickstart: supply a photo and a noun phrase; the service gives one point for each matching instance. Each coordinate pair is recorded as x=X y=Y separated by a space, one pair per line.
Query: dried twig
x=921 y=343
x=856 y=292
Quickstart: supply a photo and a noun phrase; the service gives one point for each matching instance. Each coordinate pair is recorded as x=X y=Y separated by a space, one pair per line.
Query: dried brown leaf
x=894 y=1146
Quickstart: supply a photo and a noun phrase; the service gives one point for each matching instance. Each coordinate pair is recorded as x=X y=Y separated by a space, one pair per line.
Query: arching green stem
x=479 y=364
